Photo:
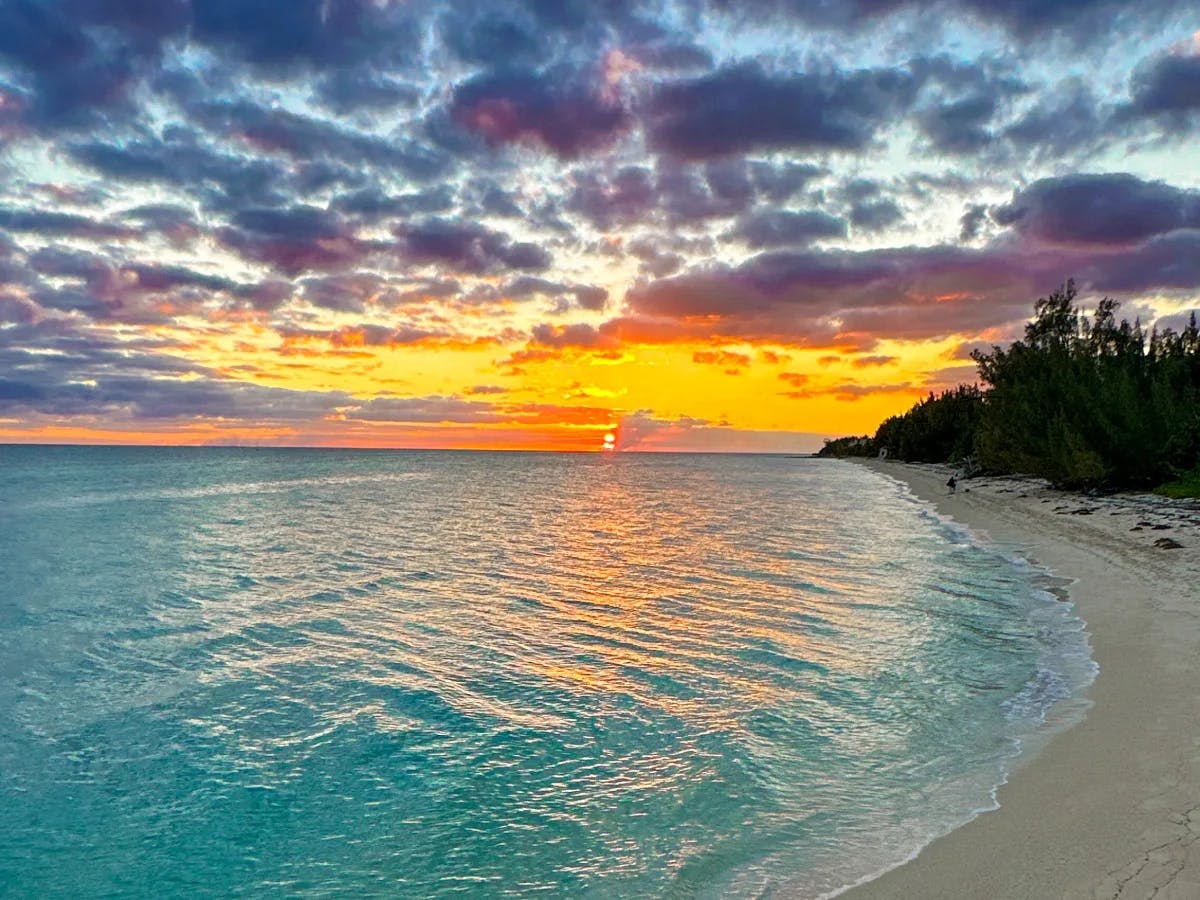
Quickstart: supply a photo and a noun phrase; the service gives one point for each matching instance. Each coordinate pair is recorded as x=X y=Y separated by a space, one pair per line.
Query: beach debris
x=1168 y=544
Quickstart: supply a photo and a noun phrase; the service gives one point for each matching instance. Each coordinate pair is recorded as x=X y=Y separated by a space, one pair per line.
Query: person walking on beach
x=952 y=483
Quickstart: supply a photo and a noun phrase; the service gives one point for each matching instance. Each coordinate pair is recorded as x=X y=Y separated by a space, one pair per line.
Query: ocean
x=427 y=674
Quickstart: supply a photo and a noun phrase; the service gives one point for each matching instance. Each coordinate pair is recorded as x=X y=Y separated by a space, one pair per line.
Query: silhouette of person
x=952 y=483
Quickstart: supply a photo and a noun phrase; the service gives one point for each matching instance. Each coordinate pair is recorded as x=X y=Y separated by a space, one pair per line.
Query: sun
x=610 y=441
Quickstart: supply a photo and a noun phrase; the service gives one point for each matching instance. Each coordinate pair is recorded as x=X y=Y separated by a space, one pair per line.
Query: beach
x=1110 y=807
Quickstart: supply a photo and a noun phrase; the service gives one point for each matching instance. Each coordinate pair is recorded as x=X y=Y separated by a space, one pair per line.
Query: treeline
x=1081 y=401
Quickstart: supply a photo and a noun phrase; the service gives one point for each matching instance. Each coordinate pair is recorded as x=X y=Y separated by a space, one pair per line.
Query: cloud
x=787 y=228
x=643 y=431
x=60 y=224
x=307 y=33
x=1079 y=20
x=1068 y=121
x=469 y=248
x=583 y=296
x=346 y=175
x=690 y=195
x=81 y=59
x=312 y=139
x=876 y=215
x=554 y=111
x=1177 y=322
x=671 y=56
x=1167 y=88
x=846 y=297
x=973 y=219
x=743 y=108
x=850 y=391
x=579 y=335
x=491 y=38
x=359 y=89
x=1109 y=209
x=183 y=159
x=781 y=182
x=726 y=358
x=293 y=240
x=425 y=409
x=607 y=200
x=863 y=362
x=960 y=126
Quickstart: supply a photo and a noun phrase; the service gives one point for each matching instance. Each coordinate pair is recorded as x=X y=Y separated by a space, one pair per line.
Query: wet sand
x=1111 y=807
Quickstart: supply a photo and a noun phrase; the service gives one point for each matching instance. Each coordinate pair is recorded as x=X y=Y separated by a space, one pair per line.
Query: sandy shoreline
x=1111 y=807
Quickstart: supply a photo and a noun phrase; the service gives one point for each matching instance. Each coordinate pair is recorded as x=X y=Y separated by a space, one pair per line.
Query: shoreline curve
x=1111 y=806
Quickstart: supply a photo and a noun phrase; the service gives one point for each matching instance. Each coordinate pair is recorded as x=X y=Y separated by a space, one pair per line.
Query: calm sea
x=411 y=674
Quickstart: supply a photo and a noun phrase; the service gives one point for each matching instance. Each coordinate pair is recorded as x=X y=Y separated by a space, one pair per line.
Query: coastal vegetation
x=1082 y=401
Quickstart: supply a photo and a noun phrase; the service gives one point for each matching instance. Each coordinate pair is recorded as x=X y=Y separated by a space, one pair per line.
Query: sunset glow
x=567 y=226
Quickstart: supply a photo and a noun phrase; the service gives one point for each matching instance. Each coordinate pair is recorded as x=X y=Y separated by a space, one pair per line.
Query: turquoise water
x=337 y=673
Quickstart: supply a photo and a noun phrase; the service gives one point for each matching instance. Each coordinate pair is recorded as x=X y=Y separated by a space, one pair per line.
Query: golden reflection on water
x=622 y=587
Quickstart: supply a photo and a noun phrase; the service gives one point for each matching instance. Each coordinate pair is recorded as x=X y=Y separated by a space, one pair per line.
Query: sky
x=531 y=224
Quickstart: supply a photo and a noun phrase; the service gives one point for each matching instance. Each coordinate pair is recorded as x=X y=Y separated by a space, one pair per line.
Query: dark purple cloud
x=184 y=159
x=360 y=88
x=373 y=204
x=469 y=248
x=316 y=33
x=1066 y=122
x=960 y=126
x=1167 y=87
x=625 y=196
x=60 y=224
x=579 y=334
x=1109 y=209
x=972 y=222
x=875 y=215
x=781 y=182
x=74 y=76
x=743 y=108
x=1167 y=261
x=294 y=239
x=555 y=111
x=814 y=297
x=492 y=38
x=788 y=228
x=308 y=138
x=583 y=296
x=688 y=194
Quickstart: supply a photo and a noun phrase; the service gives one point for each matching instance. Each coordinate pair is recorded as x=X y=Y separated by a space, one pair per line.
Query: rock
x=1168 y=544
x=1136 y=528
x=1160 y=527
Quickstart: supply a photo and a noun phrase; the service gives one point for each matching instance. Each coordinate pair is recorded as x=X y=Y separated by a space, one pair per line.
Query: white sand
x=1111 y=807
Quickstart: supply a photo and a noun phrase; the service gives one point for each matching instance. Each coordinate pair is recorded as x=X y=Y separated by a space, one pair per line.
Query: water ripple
x=496 y=675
